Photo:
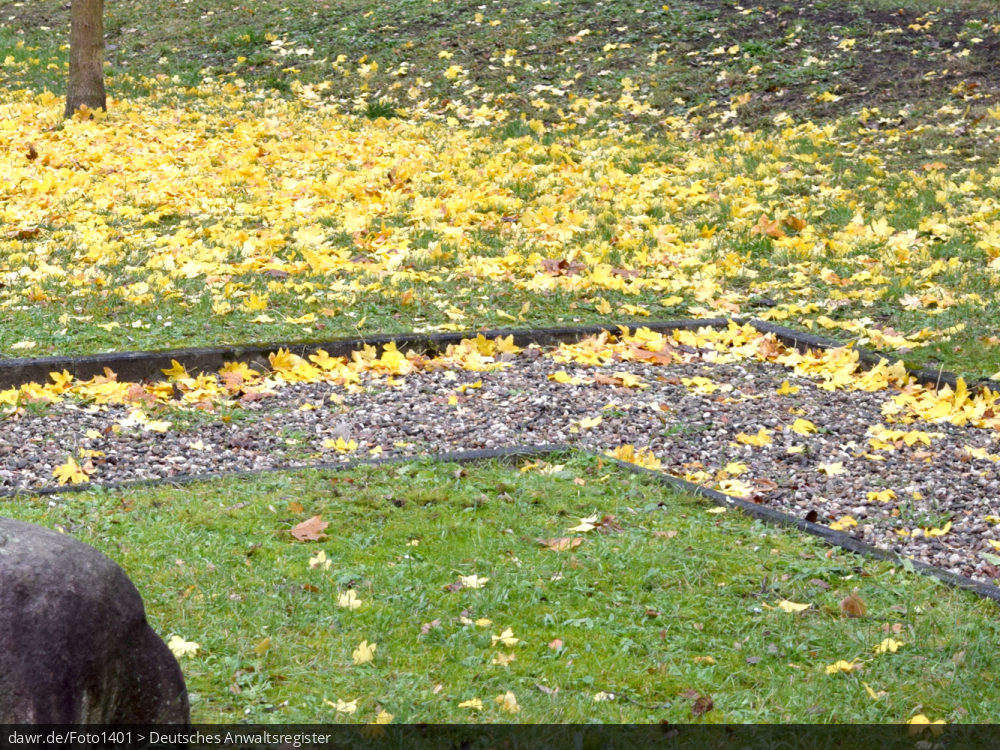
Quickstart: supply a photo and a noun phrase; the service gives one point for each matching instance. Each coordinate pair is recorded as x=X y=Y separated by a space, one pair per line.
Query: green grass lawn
x=515 y=164
x=658 y=606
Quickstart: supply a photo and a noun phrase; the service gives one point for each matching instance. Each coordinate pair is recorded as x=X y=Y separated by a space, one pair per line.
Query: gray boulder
x=75 y=647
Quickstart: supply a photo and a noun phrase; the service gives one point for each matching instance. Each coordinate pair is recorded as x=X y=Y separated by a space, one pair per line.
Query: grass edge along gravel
x=663 y=602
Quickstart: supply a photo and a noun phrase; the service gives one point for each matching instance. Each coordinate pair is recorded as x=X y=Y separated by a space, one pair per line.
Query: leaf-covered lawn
x=210 y=208
x=565 y=593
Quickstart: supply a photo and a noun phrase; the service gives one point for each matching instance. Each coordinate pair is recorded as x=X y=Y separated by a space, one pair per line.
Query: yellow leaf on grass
x=508 y=702
x=920 y=722
x=473 y=581
x=364 y=653
x=506 y=638
x=320 y=561
x=716 y=511
x=180 y=647
x=344 y=707
x=888 y=645
x=842 y=666
x=349 y=600
x=384 y=717
x=874 y=696
x=791 y=607
x=475 y=704
x=586 y=524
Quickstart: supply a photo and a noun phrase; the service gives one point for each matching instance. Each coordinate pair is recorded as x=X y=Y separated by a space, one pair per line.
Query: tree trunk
x=86 y=57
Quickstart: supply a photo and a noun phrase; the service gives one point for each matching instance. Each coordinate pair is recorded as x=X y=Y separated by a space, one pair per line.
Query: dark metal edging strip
x=138 y=366
x=836 y=538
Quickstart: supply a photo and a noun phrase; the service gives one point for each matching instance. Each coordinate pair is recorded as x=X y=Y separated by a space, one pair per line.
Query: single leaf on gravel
x=938 y=532
x=843 y=523
x=311 y=530
x=787 y=390
x=561 y=544
x=803 y=426
x=832 y=469
x=70 y=473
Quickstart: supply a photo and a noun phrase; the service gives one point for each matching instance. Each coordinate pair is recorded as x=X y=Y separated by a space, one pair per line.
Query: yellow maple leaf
x=888 y=645
x=344 y=707
x=180 y=647
x=586 y=524
x=803 y=426
x=349 y=600
x=506 y=638
x=508 y=702
x=843 y=523
x=761 y=438
x=832 y=469
x=320 y=561
x=70 y=473
x=176 y=370
x=938 y=531
x=920 y=722
x=364 y=653
x=882 y=496
x=842 y=666
x=340 y=445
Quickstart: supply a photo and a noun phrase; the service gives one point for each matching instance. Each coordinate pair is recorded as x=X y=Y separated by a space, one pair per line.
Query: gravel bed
x=520 y=406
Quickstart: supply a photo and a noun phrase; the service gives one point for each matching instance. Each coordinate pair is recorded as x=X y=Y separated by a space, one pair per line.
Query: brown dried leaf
x=561 y=544
x=295 y=507
x=702 y=705
x=665 y=534
x=311 y=530
x=853 y=605
x=555 y=644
